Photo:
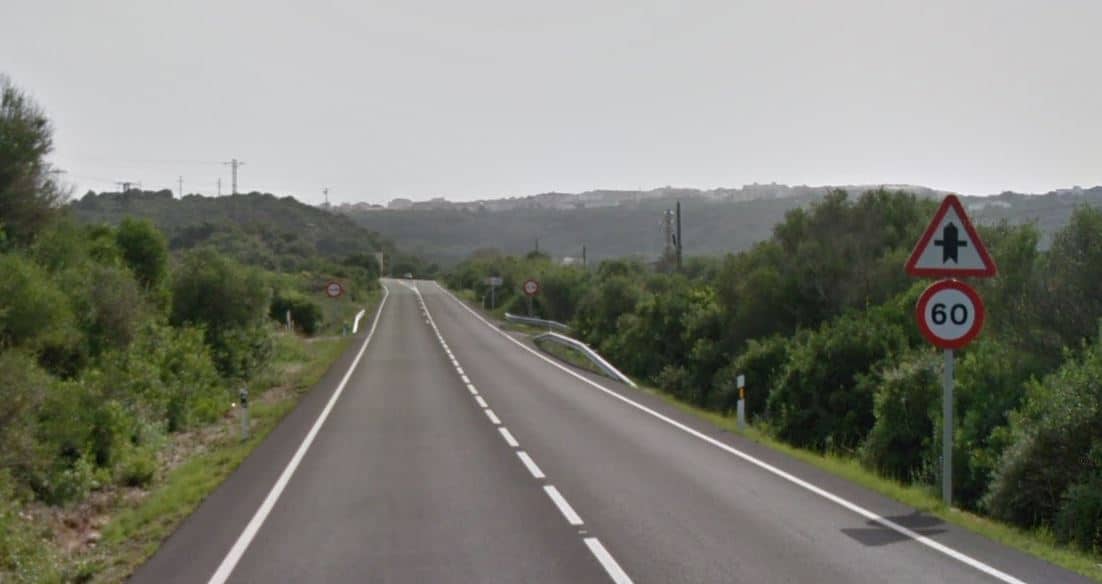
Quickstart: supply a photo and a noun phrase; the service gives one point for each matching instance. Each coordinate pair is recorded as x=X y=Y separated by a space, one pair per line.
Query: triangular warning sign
x=950 y=247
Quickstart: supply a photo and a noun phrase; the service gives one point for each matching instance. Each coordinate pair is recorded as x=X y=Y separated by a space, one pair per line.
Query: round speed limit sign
x=950 y=314
x=334 y=289
x=531 y=287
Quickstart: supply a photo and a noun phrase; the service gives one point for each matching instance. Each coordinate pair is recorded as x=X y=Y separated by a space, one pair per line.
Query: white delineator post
x=741 y=383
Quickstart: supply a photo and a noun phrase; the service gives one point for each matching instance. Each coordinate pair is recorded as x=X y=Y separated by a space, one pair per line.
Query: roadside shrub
x=169 y=376
x=35 y=313
x=24 y=387
x=761 y=363
x=240 y=353
x=1055 y=441
x=137 y=466
x=990 y=383
x=901 y=440
x=818 y=400
x=1079 y=521
x=230 y=302
x=306 y=314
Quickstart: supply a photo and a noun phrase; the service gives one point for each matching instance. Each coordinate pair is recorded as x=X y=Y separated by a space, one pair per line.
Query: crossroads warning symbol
x=950 y=247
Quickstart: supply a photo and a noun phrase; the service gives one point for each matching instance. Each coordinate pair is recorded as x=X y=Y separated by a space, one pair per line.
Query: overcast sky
x=480 y=99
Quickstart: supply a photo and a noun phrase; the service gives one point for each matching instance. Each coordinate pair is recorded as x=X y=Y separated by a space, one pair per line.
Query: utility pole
x=219 y=186
x=180 y=181
x=325 y=191
x=537 y=245
x=125 y=185
x=233 y=164
x=678 y=242
x=584 y=264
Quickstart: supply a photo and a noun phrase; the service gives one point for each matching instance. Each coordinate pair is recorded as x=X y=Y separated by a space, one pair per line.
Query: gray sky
x=482 y=99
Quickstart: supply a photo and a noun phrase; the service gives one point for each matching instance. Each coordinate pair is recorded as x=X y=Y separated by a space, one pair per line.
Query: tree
x=29 y=192
x=145 y=251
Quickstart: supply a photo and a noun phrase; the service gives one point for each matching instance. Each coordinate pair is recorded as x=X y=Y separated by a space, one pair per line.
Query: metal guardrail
x=356 y=323
x=592 y=355
x=551 y=324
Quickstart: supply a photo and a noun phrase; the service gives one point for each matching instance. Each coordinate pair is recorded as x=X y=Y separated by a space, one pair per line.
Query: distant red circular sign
x=334 y=289
x=531 y=287
x=950 y=314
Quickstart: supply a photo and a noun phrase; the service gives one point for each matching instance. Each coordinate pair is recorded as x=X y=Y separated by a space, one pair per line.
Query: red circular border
x=525 y=286
x=339 y=288
x=977 y=324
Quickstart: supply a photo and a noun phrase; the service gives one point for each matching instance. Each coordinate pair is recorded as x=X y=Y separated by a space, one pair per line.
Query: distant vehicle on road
x=408 y=276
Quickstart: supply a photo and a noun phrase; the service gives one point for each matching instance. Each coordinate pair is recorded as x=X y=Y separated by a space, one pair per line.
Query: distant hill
x=257 y=227
x=629 y=223
x=1049 y=211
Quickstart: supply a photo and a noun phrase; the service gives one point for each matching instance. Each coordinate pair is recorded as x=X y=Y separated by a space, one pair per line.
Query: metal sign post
x=947 y=432
x=494 y=282
x=531 y=288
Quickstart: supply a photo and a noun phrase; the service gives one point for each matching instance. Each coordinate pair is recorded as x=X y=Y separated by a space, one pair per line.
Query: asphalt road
x=453 y=452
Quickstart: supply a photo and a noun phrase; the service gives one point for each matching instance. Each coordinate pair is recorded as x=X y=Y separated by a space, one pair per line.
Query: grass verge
x=135 y=532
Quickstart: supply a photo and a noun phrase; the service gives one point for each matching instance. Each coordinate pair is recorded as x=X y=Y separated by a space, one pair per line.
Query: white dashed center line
x=615 y=572
x=508 y=436
x=567 y=511
x=531 y=465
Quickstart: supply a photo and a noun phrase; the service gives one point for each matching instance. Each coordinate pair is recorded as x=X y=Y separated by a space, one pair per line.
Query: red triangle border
x=989 y=271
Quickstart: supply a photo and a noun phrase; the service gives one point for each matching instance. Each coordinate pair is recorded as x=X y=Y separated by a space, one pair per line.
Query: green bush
x=818 y=400
x=901 y=441
x=1055 y=441
x=231 y=303
x=1079 y=521
x=761 y=362
x=137 y=466
x=35 y=313
x=305 y=313
x=145 y=251
x=24 y=388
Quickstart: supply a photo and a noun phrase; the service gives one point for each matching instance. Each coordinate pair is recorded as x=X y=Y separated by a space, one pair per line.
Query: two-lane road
x=452 y=452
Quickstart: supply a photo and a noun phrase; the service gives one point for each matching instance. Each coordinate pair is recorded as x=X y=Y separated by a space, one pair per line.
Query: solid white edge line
x=859 y=510
x=481 y=402
x=508 y=436
x=607 y=562
x=567 y=511
x=531 y=466
x=493 y=417
x=242 y=544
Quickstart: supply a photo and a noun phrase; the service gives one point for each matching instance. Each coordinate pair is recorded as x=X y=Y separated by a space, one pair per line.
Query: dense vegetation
x=819 y=318
x=258 y=229
x=109 y=343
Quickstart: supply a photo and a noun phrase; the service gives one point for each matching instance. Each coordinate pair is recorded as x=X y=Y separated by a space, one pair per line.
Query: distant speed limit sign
x=334 y=289
x=950 y=314
x=531 y=287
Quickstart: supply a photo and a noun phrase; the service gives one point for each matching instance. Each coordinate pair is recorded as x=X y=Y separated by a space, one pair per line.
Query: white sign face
x=950 y=314
x=740 y=381
x=494 y=280
x=333 y=289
